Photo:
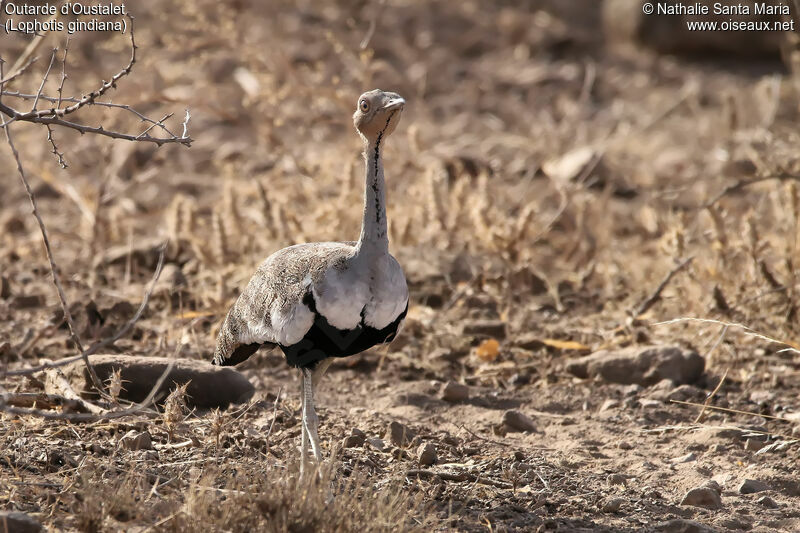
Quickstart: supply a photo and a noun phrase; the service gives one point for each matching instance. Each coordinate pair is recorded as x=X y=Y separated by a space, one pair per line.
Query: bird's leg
x=304 y=438
x=320 y=369
x=311 y=420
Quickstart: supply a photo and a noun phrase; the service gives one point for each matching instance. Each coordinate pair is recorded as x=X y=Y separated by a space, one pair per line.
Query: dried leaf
x=488 y=350
x=565 y=345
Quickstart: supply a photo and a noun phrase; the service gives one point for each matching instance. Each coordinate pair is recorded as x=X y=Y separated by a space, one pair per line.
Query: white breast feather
x=341 y=296
x=389 y=296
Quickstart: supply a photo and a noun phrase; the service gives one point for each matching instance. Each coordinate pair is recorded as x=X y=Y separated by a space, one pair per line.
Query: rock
x=399 y=434
x=763 y=396
x=609 y=405
x=426 y=455
x=631 y=390
x=682 y=525
x=18 y=522
x=209 y=386
x=136 y=440
x=5 y=288
x=377 y=443
x=612 y=505
x=519 y=378
x=616 y=479
x=706 y=495
x=647 y=403
x=767 y=502
x=516 y=421
x=356 y=439
x=717 y=448
x=448 y=354
x=490 y=328
x=753 y=445
x=708 y=435
x=529 y=341
x=12 y=223
x=688 y=458
x=455 y=392
x=642 y=366
x=751 y=486
x=27 y=301
x=665 y=391
x=625 y=445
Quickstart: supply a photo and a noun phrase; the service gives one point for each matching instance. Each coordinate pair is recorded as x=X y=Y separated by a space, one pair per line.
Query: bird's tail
x=226 y=343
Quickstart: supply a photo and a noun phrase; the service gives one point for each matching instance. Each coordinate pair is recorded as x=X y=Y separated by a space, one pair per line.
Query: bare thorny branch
x=54 y=116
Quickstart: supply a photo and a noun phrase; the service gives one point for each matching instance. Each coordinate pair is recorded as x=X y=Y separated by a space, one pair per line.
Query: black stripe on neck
x=374 y=183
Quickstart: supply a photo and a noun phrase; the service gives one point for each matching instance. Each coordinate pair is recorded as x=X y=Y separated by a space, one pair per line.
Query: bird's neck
x=374 y=238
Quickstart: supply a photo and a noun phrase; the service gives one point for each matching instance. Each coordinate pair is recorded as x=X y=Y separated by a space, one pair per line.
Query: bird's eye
x=364 y=105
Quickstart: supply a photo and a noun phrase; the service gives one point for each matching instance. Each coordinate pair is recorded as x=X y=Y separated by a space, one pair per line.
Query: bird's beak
x=394 y=103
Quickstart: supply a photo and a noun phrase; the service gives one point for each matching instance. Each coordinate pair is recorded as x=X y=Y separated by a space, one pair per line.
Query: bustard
x=328 y=299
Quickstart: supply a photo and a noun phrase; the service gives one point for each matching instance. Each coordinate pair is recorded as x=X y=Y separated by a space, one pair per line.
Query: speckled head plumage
x=377 y=114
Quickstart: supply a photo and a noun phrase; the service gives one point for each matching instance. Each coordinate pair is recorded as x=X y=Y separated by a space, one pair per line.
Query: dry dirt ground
x=541 y=187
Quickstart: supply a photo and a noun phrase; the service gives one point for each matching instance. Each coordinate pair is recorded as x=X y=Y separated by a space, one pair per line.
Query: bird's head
x=377 y=114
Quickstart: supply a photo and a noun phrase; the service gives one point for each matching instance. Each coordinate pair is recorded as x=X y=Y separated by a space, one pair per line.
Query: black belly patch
x=323 y=340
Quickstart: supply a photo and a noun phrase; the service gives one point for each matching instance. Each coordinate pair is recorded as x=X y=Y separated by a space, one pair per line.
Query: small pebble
x=426 y=455
x=377 y=443
x=706 y=495
x=612 y=505
x=647 y=403
x=5 y=288
x=753 y=445
x=356 y=439
x=18 y=522
x=399 y=434
x=455 y=392
x=615 y=479
x=688 y=458
x=751 y=486
x=516 y=421
x=608 y=405
x=491 y=328
x=767 y=502
x=135 y=440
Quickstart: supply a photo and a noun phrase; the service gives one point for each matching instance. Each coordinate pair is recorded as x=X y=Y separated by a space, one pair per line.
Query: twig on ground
x=465 y=428
x=274 y=416
x=89 y=417
x=460 y=476
x=792 y=347
x=653 y=298
x=735 y=411
x=711 y=396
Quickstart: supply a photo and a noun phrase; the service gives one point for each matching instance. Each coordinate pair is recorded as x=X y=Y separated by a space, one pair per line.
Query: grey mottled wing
x=270 y=310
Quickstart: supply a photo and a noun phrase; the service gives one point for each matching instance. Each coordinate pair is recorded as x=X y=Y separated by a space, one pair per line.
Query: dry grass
x=276 y=501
